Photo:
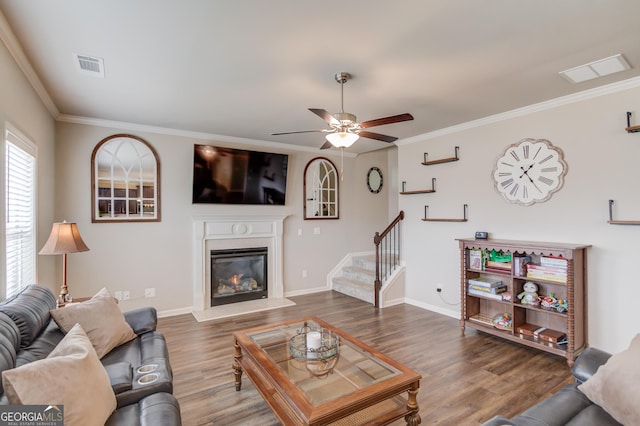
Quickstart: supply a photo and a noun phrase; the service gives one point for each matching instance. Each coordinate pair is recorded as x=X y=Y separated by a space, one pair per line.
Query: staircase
x=357 y=279
x=378 y=277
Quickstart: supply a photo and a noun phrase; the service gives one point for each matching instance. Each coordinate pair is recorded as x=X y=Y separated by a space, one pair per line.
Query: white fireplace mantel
x=236 y=231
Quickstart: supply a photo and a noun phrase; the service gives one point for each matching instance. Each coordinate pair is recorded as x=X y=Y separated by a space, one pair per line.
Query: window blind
x=20 y=192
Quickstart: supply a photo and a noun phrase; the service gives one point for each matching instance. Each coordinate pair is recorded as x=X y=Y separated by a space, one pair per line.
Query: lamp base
x=63 y=299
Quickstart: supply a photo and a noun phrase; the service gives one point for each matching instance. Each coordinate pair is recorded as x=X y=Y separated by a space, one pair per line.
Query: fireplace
x=238 y=275
x=237 y=232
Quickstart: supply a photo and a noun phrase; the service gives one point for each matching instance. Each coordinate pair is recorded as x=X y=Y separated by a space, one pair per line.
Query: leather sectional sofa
x=138 y=371
x=568 y=406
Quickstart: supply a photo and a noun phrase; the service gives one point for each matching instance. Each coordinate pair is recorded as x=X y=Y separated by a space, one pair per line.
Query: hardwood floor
x=465 y=379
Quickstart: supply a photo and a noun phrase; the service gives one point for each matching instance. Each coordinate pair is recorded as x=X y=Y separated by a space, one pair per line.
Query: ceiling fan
x=344 y=129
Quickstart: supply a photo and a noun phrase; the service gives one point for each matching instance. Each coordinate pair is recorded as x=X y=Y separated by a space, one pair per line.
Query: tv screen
x=235 y=176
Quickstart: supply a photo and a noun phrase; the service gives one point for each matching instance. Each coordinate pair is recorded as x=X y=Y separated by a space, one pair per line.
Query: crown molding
x=193 y=135
x=530 y=109
x=15 y=49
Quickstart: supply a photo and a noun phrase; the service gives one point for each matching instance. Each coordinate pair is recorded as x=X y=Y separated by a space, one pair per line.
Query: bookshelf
x=566 y=280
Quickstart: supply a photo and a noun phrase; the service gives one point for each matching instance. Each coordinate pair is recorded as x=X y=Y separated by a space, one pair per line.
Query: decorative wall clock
x=529 y=171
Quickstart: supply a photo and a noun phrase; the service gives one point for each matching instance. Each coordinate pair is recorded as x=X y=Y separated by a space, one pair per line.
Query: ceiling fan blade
x=326 y=145
x=301 y=131
x=330 y=119
x=386 y=120
x=377 y=136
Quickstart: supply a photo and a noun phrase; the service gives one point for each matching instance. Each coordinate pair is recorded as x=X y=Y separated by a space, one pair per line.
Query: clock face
x=529 y=172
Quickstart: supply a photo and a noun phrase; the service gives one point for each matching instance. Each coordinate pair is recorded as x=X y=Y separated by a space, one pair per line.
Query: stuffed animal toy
x=530 y=294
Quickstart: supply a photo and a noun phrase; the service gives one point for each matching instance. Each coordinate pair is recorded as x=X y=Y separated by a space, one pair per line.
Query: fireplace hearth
x=238 y=275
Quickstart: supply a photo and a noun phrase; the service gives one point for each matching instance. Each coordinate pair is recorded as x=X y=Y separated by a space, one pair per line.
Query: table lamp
x=64 y=238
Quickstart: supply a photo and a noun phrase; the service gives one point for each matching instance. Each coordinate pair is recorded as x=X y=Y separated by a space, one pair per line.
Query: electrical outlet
x=125 y=295
x=118 y=295
x=150 y=292
x=304 y=273
x=316 y=230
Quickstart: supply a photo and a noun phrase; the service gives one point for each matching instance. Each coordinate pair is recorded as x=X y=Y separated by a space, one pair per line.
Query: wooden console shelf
x=419 y=191
x=566 y=281
x=442 y=160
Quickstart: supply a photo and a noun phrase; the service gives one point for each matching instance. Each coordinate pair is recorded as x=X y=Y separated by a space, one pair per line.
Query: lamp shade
x=342 y=139
x=64 y=238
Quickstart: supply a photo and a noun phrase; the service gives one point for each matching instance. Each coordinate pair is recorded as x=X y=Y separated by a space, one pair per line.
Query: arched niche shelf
x=321 y=196
x=125 y=180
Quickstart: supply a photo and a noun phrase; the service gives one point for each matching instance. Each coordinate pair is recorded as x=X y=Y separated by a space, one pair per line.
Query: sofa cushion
x=69 y=376
x=9 y=343
x=102 y=320
x=614 y=386
x=29 y=309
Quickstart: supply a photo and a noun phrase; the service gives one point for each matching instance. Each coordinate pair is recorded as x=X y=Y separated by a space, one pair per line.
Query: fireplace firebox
x=238 y=275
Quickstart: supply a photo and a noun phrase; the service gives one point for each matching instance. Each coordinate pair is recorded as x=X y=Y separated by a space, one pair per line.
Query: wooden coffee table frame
x=290 y=404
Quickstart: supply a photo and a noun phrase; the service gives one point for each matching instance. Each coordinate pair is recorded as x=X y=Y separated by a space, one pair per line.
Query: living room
x=587 y=122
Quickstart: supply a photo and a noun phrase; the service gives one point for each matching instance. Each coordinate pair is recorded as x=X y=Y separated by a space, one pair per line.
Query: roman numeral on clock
x=525 y=151
x=547 y=158
x=514 y=189
x=514 y=155
x=545 y=180
x=507 y=182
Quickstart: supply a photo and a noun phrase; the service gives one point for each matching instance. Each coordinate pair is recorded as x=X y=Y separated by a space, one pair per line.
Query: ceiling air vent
x=606 y=66
x=89 y=65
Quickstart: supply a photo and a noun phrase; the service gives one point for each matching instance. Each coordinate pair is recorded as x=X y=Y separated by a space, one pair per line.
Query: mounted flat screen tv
x=235 y=176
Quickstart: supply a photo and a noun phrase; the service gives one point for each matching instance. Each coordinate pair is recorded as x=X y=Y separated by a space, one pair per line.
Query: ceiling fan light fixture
x=342 y=139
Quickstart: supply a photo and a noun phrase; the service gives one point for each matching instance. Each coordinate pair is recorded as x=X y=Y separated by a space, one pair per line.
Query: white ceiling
x=249 y=68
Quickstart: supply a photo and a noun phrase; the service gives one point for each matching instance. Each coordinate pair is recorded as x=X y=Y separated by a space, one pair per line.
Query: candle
x=314 y=340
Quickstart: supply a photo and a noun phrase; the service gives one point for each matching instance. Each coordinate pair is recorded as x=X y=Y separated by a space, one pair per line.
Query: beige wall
x=22 y=108
x=134 y=256
x=602 y=164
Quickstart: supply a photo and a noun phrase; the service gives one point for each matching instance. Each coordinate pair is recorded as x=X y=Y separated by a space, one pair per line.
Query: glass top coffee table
x=350 y=383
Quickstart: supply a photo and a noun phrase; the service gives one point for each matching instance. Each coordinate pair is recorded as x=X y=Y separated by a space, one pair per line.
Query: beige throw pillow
x=100 y=318
x=71 y=375
x=614 y=387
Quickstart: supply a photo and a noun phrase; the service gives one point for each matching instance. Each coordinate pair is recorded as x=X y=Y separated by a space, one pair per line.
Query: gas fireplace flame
x=235 y=279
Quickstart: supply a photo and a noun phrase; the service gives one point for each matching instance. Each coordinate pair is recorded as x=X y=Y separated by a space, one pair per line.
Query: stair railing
x=387 y=245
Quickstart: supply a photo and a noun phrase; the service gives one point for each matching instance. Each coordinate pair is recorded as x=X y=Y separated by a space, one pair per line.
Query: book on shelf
x=483 y=294
x=547 y=276
x=549 y=269
x=491 y=290
x=505 y=266
x=519 y=265
x=557 y=262
x=476 y=259
x=485 y=282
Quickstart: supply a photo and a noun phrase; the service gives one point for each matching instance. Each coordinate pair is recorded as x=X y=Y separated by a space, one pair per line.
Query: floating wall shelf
x=464 y=216
x=419 y=191
x=619 y=222
x=630 y=128
x=442 y=160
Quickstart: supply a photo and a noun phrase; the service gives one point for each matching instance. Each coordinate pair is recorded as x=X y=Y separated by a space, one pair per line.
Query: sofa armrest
x=142 y=320
x=498 y=421
x=120 y=376
x=588 y=363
